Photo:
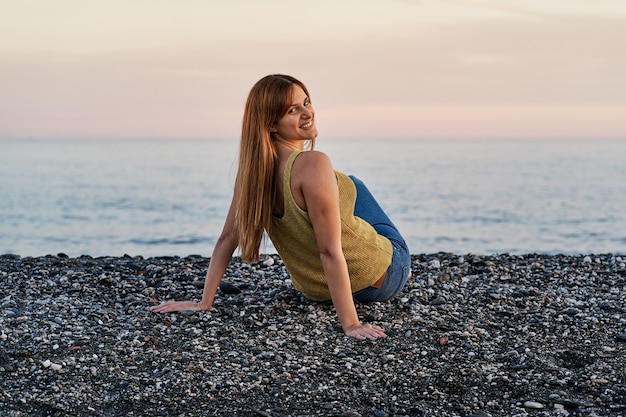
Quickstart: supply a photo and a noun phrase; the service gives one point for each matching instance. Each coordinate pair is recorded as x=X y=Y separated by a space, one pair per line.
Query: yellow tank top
x=367 y=253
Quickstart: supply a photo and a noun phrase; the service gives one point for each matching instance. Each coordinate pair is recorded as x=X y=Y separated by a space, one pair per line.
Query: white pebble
x=268 y=262
x=46 y=363
x=534 y=405
x=434 y=264
x=55 y=366
x=404 y=300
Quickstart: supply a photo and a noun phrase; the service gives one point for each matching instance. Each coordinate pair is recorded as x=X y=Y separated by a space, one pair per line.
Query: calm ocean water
x=156 y=198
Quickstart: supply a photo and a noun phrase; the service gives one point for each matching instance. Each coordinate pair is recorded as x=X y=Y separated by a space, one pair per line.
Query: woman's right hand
x=173 y=306
x=365 y=331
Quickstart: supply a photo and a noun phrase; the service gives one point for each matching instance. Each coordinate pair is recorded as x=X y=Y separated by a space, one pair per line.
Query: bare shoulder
x=313 y=161
x=312 y=172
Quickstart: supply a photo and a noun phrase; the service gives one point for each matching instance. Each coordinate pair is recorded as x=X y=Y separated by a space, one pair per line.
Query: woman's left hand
x=174 y=306
x=365 y=331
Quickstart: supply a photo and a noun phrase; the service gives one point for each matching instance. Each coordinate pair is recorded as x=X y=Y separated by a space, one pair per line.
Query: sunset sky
x=413 y=69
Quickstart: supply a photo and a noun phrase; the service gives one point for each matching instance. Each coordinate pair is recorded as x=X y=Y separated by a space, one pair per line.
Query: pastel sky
x=414 y=69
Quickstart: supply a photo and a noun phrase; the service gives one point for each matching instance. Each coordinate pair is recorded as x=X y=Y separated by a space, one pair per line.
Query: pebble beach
x=471 y=335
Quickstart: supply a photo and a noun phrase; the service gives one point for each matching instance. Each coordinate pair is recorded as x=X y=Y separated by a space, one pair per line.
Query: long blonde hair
x=268 y=101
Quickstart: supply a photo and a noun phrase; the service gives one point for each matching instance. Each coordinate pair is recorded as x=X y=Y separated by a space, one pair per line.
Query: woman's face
x=299 y=121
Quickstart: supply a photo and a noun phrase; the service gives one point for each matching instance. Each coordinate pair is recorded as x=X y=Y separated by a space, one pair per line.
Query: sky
x=376 y=69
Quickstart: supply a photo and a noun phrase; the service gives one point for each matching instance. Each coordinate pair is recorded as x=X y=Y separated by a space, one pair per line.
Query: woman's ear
x=272 y=129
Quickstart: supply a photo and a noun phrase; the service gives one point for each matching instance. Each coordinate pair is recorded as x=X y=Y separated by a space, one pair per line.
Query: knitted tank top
x=368 y=254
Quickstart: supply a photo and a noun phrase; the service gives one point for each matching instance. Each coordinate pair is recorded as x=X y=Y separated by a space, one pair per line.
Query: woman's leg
x=398 y=273
x=368 y=209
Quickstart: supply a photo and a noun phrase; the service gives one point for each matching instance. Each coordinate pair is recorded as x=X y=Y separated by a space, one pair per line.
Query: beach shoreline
x=471 y=335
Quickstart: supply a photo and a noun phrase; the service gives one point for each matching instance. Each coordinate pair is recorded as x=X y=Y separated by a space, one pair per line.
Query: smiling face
x=298 y=123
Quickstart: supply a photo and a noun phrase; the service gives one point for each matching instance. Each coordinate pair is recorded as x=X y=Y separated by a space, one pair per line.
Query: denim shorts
x=368 y=209
x=395 y=279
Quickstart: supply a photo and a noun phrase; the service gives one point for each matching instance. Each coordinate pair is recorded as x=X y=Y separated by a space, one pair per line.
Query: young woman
x=333 y=237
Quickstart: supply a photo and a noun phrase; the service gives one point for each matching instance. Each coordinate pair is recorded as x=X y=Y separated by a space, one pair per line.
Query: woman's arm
x=316 y=179
x=222 y=254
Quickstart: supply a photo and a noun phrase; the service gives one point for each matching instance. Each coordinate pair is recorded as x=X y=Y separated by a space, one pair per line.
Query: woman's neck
x=288 y=146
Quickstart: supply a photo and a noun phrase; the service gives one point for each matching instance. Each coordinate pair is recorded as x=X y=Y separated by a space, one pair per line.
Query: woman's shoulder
x=311 y=165
x=315 y=159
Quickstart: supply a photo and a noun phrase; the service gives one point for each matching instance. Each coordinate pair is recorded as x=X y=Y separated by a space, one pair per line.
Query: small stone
x=571 y=311
x=443 y=341
x=351 y=414
x=621 y=337
x=534 y=405
x=587 y=260
x=5 y=301
x=55 y=366
x=46 y=363
x=602 y=381
x=438 y=301
x=269 y=261
x=10 y=314
x=404 y=300
x=434 y=264
x=328 y=406
x=568 y=404
x=228 y=288
x=479 y=414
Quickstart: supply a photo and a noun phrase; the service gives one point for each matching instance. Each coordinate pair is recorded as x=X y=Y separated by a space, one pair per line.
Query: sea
x=170 y=197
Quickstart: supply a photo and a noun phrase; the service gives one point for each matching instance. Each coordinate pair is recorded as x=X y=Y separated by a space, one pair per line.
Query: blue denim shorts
x=367 y=208
x=395 y=279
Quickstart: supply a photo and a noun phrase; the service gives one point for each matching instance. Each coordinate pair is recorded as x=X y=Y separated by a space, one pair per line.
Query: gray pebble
x=438 y=301
x=533 y=405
